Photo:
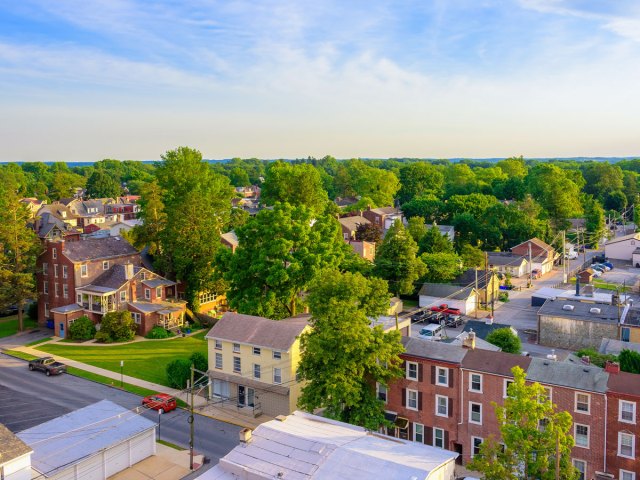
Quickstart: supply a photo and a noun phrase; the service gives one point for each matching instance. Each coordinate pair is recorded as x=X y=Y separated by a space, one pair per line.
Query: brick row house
x=445 y=400
x=94 y=276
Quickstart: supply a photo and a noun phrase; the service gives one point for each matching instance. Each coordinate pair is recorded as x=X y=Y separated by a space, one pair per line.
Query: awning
x=402 y=423
x=390 y=416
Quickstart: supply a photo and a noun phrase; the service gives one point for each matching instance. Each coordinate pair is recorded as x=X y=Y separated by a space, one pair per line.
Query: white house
x=455 y=296
x=305 y=446
x=15 y=457
x=92 y=443
x=622 y=248
x=124 y=225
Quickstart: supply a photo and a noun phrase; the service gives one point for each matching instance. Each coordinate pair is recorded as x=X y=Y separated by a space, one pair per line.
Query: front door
x=61 y=329
x=246 y=396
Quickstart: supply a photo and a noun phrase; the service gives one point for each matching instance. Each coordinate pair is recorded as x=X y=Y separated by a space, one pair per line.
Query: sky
x=83 y=80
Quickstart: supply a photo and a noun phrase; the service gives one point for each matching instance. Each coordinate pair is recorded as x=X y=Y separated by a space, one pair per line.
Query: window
x=256 y=350
x=237 y=365
x=84 y=271
x=582 y=435
x=277 y=375
x=45 y=288
x=442 y=406
x=475 y=413
x=381 y=392
x=218 y=344
x=277 y=355
x=627 y=475
x=45 y=268
x=542 y=424
x=218 y=360
x=475 y=382
x=582 y=402
x=412 y=399
x=256 y=370
x=236 y=348
x=54 y=253
x=65 y=290
x=147 y=294
x=105 y=265
x=581 y=466
x=626 y=445
x=64 y=271
x=159 y=292
x=475 y=445
x=438 y=437
x=442 y=376
x=137 y=318
x=506 y=388
x=207 y=297
x=79 y=298
x=627 y=412
x=143 y=275
x=55 y=270
x=46 y=309
x=412 y=370
x=123 y=295
x=56 y=288
x=418 y=432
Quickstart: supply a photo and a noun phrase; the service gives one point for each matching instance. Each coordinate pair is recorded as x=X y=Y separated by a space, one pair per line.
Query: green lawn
x=145 y=360
x=9 y=325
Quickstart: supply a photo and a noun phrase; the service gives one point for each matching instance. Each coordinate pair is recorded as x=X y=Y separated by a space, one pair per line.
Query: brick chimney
x=612 y=367
x=470 y=341
x=586 y=360
x=133 y=290
x=128 y=271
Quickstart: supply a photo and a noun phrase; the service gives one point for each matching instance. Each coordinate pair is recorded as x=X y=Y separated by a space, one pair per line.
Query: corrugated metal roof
x=64 y=441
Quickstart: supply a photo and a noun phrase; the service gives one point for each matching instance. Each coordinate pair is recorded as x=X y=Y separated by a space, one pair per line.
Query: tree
x=116 y=327
x=471 y=256
x=532 y=431
x=279 y=253
x=356 y=178
x=419 y=178
x=417 y=229
x=239 y=177
x=514 y=167
x=629 y=361
x=178 y=371
x=594 y=219
x=442 y=267
x=602 y=178
x=558 y=194
x=615 y=200
x=368 y=232
x=435 y=242
x=19 y=248
x=630 y=187
x=396 y=260
x=294 y=184
x=342 y=356
x=505 y=339
x=64 y=184
x=430 y=207
x=459 y=179
x=102 y=185
x=153 y=219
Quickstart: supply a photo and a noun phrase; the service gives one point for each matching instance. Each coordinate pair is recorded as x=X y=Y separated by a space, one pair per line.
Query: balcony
x=97 y=302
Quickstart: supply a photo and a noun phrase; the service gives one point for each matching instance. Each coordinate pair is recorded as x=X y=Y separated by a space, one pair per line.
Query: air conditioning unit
x=568 y=307
x=594 y=310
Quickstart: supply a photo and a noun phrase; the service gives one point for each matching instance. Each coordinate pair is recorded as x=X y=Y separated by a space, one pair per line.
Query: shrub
x=32 y=310
x=178 y=372
x=200 y=362
x=505 y=339
x=503 y=297
x=629 y=361
x=116 y=327
x=157 y=333
x=82 y=329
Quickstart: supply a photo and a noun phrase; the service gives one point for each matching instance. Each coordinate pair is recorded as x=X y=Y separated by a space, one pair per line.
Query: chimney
x=586 y=360
x=612 y=367
x=128 y=271
x=245 y=435
x=133 y=291
x=470 y=341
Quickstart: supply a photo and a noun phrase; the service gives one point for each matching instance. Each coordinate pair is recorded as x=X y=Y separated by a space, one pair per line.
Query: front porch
x=97 y=299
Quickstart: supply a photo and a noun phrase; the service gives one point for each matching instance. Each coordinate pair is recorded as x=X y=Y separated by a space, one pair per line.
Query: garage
x=92 y=443
x=455 y=296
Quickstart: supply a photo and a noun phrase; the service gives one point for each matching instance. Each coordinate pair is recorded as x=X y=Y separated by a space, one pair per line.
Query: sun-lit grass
x=145 y=360
x=9 y=325
x=38 y=342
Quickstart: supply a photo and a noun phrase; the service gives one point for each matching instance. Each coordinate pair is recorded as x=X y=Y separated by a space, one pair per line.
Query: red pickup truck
x=444 y=308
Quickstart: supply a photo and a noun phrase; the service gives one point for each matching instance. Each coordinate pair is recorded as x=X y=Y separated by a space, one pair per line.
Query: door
x=626 y=334
x=246 y=396
x=61 y=329
x=241 y=395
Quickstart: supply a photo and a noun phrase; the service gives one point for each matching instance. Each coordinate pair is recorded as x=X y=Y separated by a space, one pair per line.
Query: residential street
x=31 y=398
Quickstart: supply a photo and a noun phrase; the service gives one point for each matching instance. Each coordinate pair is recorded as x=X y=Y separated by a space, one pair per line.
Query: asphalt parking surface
x=22 y=411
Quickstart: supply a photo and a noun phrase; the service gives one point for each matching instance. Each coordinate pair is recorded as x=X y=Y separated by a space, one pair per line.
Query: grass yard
x=604 y=285
x=9 y=325
x=145 y=360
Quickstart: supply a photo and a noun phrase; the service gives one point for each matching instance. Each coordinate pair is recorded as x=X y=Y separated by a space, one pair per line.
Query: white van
x=431 y=332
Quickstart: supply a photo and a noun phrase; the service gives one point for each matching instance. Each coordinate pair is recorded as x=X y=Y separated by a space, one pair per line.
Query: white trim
x=630 y=475
x=507 y=381
x=633 y=415
x=471 y=420
x=633 y=445
x=575 y=405
x=433 y=440
x=471 y=389
x=408 y=370
x=417 y=397
x=446 y=403
x=575 y=434
x=473 y=439
x=584 y=466
x=447 y=372
x=415 y=432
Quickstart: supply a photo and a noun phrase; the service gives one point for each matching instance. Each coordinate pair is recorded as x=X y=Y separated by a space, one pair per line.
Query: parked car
x=452 y=311
x=453 y=321
x=439 y=308
x=11 y=310
x=597 y=273
x=436 y=317
x=419 y=316
x=48 y=365
x=431 y=332
x=535 y=273
x=162 y=402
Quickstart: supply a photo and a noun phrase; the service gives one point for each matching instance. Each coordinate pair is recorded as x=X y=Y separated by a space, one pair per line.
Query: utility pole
x=584 y=247
x=486 y=277
x=191 y=435
x=476 y=311
x=564 y=256
x=530 y=266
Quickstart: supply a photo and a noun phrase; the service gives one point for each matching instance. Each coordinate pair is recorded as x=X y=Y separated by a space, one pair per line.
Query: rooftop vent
x=568 y=307
x=594 y=310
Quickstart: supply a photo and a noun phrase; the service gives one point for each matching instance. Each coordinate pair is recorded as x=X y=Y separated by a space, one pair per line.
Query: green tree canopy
x=602 y=178
x=435 y=242
x=419 y=178
x=298 y=184
x=429 y=207
x=417 y=228
x=102 y=184
x=342 y=356
x=442 y=267
x=514 y=167
x=558 y=194
x=356 y=178
x=629 y=361
x=505 y=339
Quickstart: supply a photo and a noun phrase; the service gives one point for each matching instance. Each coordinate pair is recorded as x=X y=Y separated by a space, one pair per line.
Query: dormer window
x=105 y=265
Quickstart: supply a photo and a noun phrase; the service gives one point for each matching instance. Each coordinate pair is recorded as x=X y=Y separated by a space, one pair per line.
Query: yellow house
x=253 y=362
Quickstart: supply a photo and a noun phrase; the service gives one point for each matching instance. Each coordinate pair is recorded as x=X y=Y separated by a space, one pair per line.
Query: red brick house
x=95 y=276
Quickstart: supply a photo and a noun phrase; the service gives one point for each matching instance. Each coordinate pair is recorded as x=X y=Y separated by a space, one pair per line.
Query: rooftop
x=11 y=447
x=259 y=331
x=614 y=347
x=536 y=241
x=585 y=311
x=352 y=222
x=565 y=374
x=442 y=290
x=98 y=248
x=505 y=259
x=114 y=278
x=231 y=238
x=469 y=276
x=624 y=382
x=446 y=352
x=623 y=238
x=482 y=329
x=497 y=363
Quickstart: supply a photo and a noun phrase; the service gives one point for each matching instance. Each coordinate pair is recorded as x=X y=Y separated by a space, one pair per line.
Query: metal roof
x=446 y=352
x=158 y=282
x=564 y=374
x=72 y=307
x=66 y=440
x=446 y=290
x=585 y=311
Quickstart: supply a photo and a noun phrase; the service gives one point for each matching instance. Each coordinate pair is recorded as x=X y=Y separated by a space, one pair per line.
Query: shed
x=92 y=443
x=622 y=248
x=455 y=296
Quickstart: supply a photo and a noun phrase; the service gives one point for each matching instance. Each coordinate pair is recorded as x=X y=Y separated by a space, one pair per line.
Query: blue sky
x=90 y=79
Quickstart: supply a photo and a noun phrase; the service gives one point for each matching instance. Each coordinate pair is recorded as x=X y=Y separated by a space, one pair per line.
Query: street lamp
x=121 y=374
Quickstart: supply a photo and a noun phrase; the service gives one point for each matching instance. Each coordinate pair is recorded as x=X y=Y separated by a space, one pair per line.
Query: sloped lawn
x=145 y=360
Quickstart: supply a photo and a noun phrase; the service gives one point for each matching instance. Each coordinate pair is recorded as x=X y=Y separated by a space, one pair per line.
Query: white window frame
x=473 y=444
x=123 y=296
x=446 y=372
x=56 y=289
x=65 y=271
x=147 y=294
x=507 y=382
x=84 y=270
x=471 y=375
x=575 y=406
x=575 y=461
x=54 y=253
x=218 y=361
x=633 y=411
x=418 y=436
x=159 y=292
x=412 y=395
x=45 y=268
x=236 y=348
x=627 y=475
x=381 y=391
x=45 y=288
x=256 y=371
x=55 y=270
x=46 y=309
x=65 y=290
x=256 y=351
x=446 y=403
x=471 y=420
x=217 y=344
x=79 y=298
x=409 y=371
x=277 y=354
x=575 y=435
x=237 y=365
x=137 y=317
x=435 y=437
x=633 y=445
x=105 y=265
x=277 y=375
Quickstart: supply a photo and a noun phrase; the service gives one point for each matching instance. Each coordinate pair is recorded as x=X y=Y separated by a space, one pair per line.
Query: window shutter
x=433 y=374
x=410 y=431
x=419 y=400
x=451 y=377
x=404 y=397
x=450 y=408
x=404 y=369
x=420 y=368
x=446 y=440
x=428 y=435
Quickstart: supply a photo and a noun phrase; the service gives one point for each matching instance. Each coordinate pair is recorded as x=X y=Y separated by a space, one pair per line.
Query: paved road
x=30 y=398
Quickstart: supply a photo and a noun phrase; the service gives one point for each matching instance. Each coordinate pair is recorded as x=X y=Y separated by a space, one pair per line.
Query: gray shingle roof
x=581 y=311
x=158 y=282
x=482 y=329
x=352 y=222
x=498 y=363
x=505 y=259
x=446 y=352
x=442 y=290
x=259 y=331
x=97 y=248
x=564 y=374
x=11 y=447
x=114 y=278
x=469 y=276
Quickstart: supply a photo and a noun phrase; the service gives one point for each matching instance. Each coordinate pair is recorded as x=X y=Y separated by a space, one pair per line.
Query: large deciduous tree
x=342 y=356
x=419 y=178
x=396 y=260
x=279 y=253
x=434 y=242
x=354 y=177
x=558 y=194
x=442 y=267
x=298 y=184
x=102 y=185
x=533 y=433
